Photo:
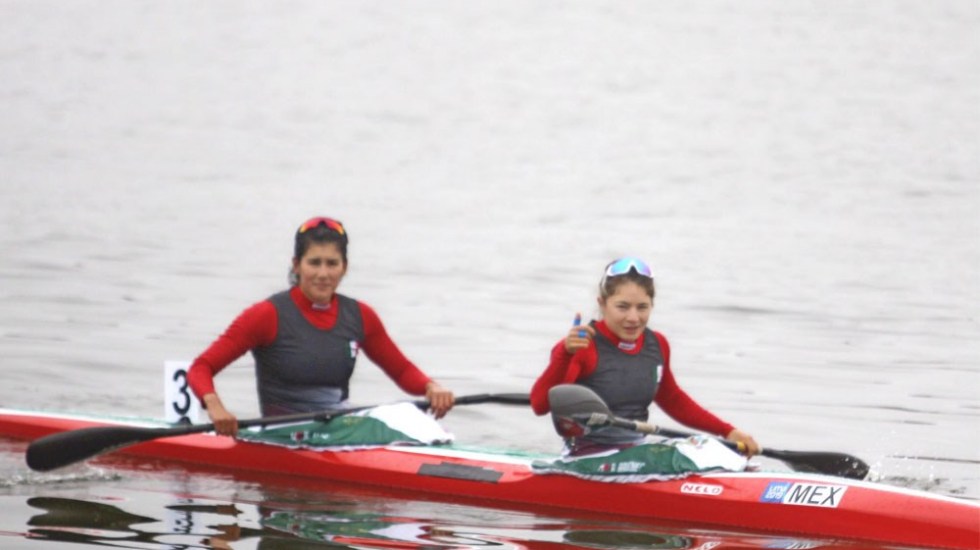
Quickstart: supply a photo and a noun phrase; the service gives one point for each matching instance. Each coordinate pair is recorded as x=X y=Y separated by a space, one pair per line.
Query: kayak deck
x=771 y=502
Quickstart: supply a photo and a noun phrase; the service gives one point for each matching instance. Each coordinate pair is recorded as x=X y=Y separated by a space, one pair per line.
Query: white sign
x=180 y=403
x=804 y=494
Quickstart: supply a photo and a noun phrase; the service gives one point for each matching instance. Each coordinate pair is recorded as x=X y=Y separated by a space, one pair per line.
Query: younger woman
x=626 y=364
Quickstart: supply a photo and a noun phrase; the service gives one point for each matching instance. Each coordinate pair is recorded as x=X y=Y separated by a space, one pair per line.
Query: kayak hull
x=770 y=502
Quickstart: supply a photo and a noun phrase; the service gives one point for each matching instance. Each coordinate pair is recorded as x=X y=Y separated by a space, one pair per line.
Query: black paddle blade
x=573 y=400
x=819 y=462
x=64 y=448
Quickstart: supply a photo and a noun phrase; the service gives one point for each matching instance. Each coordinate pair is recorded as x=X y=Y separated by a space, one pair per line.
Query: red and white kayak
x=771 y=502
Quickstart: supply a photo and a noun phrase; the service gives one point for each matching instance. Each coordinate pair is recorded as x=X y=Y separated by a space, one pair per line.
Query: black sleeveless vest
x=307 y=369
x=627 y=383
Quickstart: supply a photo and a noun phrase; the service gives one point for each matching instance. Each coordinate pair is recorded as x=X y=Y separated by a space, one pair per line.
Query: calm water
x=804 y=178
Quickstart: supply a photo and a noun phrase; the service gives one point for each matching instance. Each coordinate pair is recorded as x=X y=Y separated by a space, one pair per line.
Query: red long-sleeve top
x=258 y=326
x=565 y=368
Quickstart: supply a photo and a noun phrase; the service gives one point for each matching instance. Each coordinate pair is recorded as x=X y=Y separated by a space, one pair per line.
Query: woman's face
x=627 y=310
x=320 y=270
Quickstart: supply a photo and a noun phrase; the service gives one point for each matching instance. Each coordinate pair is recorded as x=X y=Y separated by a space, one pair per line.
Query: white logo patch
x=701 y=489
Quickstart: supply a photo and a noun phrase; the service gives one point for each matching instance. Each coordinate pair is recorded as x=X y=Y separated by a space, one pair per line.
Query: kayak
x=790 y=503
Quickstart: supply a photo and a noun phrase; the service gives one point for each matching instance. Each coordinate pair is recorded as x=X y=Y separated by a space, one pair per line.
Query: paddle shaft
x=64 y=448
x=647 y=428
x=578 y=404
x=816 y=462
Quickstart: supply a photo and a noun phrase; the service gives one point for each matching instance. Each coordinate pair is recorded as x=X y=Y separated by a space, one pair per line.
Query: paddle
x=64 y=448
x=577 y=410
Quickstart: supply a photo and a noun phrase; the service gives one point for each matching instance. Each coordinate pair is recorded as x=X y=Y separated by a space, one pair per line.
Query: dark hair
x=609 y=284
x=321 y=234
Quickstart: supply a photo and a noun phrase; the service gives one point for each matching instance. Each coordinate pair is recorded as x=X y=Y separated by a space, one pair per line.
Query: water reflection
x=195 y=524
x=188 y=526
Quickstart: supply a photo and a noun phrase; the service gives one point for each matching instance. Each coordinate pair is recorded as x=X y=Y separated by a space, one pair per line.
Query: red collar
x=631 y=348
x=307 y=306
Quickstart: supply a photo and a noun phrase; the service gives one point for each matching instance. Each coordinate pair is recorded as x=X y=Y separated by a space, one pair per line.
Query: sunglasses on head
x=623 y=266
x=331 y=224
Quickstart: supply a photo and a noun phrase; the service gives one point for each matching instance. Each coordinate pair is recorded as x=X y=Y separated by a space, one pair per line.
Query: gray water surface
x=804 y=178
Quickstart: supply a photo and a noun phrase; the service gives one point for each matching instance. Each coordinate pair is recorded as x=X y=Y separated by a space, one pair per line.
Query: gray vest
x=627 y=383
x=307 y=369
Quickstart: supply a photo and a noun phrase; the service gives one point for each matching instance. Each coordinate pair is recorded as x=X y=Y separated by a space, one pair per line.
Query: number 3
x=180 y=376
